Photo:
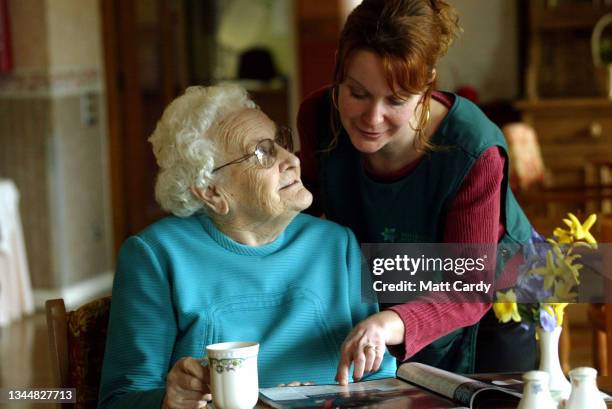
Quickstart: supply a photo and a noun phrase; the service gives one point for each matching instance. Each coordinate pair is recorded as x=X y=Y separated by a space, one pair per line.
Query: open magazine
x=412 y=389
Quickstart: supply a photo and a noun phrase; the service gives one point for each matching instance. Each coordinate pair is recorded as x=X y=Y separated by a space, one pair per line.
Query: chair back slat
x=77 y=340
x=58 y=341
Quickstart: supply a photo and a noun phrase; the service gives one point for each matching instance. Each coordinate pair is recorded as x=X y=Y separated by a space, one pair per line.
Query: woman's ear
x=212 y=198
x=433 y=74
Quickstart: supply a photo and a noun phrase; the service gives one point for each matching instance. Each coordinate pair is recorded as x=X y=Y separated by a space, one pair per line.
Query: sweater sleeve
x=478 y=199
x=360 y=309
x=141 y=334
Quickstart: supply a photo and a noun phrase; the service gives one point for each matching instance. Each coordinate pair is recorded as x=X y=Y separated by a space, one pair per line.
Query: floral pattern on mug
x=228 y=364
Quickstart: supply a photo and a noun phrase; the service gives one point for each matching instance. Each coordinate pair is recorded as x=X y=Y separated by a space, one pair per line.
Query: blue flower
x=547 y=321
x=530 y=289
x=536 y=237
x=548 y=275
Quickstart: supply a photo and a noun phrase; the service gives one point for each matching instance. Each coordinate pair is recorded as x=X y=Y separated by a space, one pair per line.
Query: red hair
x=410 y=36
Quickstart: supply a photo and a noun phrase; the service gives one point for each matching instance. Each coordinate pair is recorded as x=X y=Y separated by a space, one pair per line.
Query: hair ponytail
x=448 y=22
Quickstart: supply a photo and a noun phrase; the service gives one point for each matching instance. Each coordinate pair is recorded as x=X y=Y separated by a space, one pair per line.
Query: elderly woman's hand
x=365 y=345
x=187 y=385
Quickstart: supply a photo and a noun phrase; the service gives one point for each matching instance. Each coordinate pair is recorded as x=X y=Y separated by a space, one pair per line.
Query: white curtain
x=16 y=299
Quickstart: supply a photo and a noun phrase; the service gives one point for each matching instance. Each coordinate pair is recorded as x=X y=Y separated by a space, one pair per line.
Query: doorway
x=153 y=49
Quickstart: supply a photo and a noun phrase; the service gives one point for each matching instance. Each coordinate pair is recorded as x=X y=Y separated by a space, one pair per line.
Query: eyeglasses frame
x=280 y=129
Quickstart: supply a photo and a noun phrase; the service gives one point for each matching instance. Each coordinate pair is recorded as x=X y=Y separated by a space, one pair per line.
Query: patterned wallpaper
x=58 y=160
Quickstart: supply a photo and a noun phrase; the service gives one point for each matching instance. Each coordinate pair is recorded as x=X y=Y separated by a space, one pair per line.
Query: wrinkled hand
x=187 y=385
x=365 y=345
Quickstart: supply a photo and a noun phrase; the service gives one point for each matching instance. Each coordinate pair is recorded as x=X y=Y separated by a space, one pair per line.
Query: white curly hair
x=184 y=145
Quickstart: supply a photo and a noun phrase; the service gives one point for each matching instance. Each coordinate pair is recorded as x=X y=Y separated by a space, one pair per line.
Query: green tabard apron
x=413 y=209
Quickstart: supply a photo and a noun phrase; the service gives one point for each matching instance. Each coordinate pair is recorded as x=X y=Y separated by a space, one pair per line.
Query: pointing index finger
x=344 y=366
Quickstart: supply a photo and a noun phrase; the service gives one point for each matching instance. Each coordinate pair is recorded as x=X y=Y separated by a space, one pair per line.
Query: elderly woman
x=237 y=261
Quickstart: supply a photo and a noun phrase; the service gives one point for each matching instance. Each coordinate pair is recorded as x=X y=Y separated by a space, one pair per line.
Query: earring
x=427 y=115
x=334 y=97
x=419 y=129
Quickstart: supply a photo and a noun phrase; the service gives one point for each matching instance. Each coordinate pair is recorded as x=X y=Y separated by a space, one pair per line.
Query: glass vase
x=559 y=386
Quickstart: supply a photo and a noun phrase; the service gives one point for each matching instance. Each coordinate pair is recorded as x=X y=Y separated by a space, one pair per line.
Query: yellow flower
x=582 y=230
x=559 y=266
x=505 y=308
x=577 y=231
x=563 y=292
x=550 y=272
x=565 y=262
x=564 y=236
x=556 y=310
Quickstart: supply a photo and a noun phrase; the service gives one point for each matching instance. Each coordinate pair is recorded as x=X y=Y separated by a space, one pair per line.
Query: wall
x=59 y=161
x=55 y=153
x=486 y=55
x=245 y=24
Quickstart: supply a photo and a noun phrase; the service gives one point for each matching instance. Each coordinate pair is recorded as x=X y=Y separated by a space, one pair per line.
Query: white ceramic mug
x=233 y=374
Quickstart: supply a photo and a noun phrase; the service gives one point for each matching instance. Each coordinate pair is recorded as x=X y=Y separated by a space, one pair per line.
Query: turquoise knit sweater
x=181 y=284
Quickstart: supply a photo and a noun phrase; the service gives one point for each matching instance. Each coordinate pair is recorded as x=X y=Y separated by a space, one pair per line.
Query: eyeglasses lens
x=266 y=153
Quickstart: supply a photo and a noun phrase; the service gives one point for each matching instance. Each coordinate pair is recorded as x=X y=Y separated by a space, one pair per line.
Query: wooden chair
x=600 y=315
x=76 y=342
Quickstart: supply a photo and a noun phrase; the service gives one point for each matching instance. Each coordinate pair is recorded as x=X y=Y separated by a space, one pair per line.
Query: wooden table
x=604 y=383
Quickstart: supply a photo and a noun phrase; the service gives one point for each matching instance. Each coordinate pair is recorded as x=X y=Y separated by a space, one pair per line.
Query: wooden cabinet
x=318 y=25
x=559 y=58
x=575 y=137
x=565 y=105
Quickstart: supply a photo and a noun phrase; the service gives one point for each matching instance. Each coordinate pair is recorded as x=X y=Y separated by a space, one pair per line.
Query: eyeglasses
x=265 y=150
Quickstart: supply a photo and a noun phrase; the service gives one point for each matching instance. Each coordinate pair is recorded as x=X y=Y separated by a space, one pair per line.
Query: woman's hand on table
x=365 y=345
x=187 y=385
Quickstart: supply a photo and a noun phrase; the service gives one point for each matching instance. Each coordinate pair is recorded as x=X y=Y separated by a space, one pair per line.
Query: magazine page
x=481 y=395
x=387 y=393
x=464 y=390
x=437 y=380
